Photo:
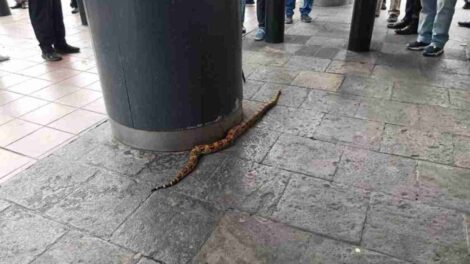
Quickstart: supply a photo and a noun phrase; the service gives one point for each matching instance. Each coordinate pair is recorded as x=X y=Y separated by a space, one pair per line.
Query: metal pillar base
x=179 y=140
x=362 y=25
x=4 y=8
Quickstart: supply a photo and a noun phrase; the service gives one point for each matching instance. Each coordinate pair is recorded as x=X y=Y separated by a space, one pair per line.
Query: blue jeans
x=304 y=10
x=242 y=9
x=435 y=19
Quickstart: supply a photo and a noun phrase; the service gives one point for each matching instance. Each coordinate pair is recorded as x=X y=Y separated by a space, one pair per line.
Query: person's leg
x=426 y=20
x=442 y=22
x=4 y=58
x=42 y=22
x=378 y=7
x=412 y=18
x=261 y=14
x=242 y=14
x=305 y=11
x=395 y=7
x=290 y=6
x=73 y=4
x=59 y=27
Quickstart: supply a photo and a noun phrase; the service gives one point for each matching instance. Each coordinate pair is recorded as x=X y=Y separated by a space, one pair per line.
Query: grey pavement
x=366 y=160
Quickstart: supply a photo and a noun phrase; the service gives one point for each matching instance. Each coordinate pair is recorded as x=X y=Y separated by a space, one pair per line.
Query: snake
x=234 y=133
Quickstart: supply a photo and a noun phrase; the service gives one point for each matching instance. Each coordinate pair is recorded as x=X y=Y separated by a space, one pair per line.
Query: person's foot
x=466 y=6
x=243 y=30
x=392 y=18
x=417 y=45
x=384 y=6
x=17 y=6
x=465 y=24
x=306 y=19
x=411 y=29
x=51 y=55
x=250 y=2
x=433 y=51
x=4 y=58
x=75 y=10
x=289 y=20
x=398 y=25
x=260 y=34
x=66 y=49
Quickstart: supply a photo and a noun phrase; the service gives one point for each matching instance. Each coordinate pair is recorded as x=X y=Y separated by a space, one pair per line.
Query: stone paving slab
x=328 y=209
x=367 y=87
x=274 y=75
x=444 y=186
x=389 y=112
x=431 y=146
x=322 y=101
x=415 y=232
x=353 y=131
x=459 y=99
x=350 y=68
x=3 y=205
x=421 y=94
x=168 y=227
x=76 y=247
x=462 y=151
x=46 y=183
x=25 y=235
x=307 y=156
x=450 y=120
x=102 y=204
x=250 y=88
x=318 y=80
x=378 y=172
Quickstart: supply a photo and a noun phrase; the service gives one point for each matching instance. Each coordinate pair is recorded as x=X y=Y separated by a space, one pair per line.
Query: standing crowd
x=429 y=19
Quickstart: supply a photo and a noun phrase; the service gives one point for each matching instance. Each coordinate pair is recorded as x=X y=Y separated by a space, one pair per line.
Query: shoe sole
x=306 y=21
x=439 y=53
x=58 y=59
x=416 y=48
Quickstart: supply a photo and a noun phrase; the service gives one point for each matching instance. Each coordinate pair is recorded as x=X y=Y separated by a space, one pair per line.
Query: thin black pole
x=83 y=17
x=362 y=25
x=275 y=12
x=4 y=8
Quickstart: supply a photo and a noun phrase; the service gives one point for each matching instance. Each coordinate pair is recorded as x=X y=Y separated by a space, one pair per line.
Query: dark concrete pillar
x=81 y=7
x=4 y=8
x=362 y=25
x=170 y=69
x=275 y=13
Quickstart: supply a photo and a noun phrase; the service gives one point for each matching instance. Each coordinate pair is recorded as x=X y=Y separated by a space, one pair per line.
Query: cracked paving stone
x=250 y=88
x=303 y=155
x=45 y=183
x=254 y=145
x=378 y=172
x=320 y=207
x=240 y=238
x=291 y=96
x=367 y=87
x=420 y=93
x=244 y=185
x=102 y=204
x=25 y=235
x=274 y=75
x=350 y=68
x=357 y=132
x=3 y=205
x=415 y=232
x=119 y=158
x=389 y=112
x=444 y=186
x=425 y=145
x=450 y=120
x=291 y=121
x=462 y=151
x=325 y=102
x=318 y=80
x=76 y=247
x=168 y=227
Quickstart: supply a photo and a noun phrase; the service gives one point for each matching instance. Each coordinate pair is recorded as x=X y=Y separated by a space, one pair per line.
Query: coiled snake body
x=219 y=145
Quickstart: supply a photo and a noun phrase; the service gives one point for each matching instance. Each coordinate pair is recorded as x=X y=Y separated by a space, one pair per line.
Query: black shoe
x=399 y=25
x=66 y=49
x=432 y=51
x=17 y=6
x=411 y=29
x=392 y=18
x=250 y=2
x=75 y=10
x=466 y=6
x=417 y=45
x=465 y=24
x=51 y=56
x=384 y=6
x=243 y=30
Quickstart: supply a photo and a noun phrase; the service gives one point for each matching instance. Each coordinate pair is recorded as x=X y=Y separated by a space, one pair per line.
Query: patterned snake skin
x=232 y=135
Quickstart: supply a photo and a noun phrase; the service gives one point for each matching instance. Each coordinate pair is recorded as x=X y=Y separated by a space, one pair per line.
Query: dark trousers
x=413 y=8
x=73 y=4
x=48 y=22
x=261 y=13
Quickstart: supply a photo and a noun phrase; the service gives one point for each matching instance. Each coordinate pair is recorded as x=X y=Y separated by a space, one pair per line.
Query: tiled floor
x=43 y=105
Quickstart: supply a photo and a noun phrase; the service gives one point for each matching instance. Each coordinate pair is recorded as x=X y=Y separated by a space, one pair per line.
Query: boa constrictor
x=219 y=145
